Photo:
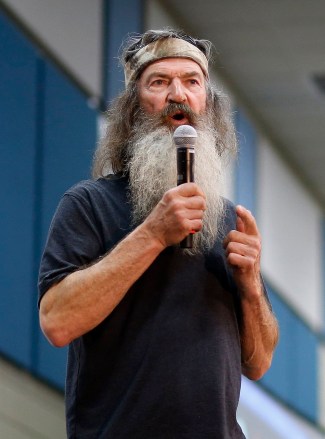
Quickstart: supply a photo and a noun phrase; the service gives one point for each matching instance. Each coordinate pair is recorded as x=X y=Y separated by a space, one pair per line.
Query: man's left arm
x=259 y=329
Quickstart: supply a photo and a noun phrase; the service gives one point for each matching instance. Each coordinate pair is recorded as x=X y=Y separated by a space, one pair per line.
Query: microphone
x=185 y=139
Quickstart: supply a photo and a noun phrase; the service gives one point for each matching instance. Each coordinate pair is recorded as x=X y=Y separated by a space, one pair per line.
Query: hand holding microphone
x=185 y=139
x=182 y=205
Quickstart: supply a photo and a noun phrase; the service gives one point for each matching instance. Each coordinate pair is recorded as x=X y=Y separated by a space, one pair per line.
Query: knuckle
x=230 y=236
x=257 y=245
x=230 y=247
x=179 y=217
x=168 y=196
x=201 y=203
x=231 y=257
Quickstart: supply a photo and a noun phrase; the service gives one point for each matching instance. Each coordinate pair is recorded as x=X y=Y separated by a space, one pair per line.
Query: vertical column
x=121 y=17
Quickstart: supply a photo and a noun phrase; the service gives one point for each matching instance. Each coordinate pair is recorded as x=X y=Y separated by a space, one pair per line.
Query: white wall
x=290 y=223
x=72 y=29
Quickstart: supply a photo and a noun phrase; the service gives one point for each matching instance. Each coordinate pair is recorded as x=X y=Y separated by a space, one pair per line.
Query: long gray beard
x=152 y=171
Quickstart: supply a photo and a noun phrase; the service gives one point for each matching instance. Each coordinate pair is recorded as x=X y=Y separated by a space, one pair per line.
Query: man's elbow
x=53 y=331
x=257 y=371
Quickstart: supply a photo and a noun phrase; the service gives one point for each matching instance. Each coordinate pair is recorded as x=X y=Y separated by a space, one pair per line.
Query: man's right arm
x=83 y=299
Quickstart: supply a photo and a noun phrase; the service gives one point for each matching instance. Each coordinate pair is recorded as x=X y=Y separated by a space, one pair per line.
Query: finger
x=189 y=190
x=241 y=262
x=194 y=226
x=195 y=203
x=247 y=223
x=242 y=249
x=188 y=194
x=240 y=226
x=234 y=237
x=192 y=214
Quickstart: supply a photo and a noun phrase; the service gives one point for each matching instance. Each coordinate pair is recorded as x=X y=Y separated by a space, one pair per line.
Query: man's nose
x=176 y=92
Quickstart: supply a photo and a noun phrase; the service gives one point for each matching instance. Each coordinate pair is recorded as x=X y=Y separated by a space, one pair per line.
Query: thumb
x=240 y=226
x=245 y=221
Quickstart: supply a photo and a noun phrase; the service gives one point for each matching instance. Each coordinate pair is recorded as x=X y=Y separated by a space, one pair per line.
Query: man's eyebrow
x=160 y=74
x=191 y=74
x=157 y=74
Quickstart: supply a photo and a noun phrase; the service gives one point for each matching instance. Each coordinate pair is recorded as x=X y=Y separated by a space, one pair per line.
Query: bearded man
x=158 y=336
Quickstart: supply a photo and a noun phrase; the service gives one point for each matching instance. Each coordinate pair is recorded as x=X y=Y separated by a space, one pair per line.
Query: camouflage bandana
x=160 y=49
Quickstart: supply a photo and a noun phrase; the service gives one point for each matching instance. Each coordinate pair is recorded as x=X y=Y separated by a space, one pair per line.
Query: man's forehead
x=179 y=66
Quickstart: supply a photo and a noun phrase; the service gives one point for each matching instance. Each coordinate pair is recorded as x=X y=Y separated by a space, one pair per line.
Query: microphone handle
x=185 y=174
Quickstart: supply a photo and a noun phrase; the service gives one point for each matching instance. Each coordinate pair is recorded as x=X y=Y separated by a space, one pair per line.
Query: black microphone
x=185 y=138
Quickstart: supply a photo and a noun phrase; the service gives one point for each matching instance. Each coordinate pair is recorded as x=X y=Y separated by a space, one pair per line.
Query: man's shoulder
x=101 y=187
x=229 y=205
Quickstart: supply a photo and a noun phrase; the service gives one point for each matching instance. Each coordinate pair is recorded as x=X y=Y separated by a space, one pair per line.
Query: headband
x=163 y=48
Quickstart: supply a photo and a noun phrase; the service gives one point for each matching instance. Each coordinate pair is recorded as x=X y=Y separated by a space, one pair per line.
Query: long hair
x=111 y=152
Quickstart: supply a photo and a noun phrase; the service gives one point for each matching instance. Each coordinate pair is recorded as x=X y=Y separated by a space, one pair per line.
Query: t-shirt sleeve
x=74 y=240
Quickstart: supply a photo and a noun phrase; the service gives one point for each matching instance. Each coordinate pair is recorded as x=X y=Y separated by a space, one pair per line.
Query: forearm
x=86 y=297
x=258 y=326
x=259 y=336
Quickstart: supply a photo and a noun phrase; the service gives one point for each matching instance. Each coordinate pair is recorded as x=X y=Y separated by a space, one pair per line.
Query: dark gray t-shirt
x=166 y=363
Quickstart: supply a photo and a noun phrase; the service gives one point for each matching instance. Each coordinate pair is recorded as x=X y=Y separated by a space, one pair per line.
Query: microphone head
x=185 y=135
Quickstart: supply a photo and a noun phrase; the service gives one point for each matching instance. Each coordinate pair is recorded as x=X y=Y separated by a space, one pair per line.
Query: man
x=158 y=335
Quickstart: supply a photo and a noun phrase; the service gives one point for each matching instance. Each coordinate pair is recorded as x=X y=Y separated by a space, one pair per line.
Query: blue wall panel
x=293 y=375
x=245 y=181
x=121 y=17
x=70 y=130
x=304 y=393
x=18 y=109
x=277 y=378
x=48 y=135
x=69 y=139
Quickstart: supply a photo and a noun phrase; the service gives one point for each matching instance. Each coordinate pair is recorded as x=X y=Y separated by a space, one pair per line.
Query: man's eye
x=157 y=82
x=193 y=81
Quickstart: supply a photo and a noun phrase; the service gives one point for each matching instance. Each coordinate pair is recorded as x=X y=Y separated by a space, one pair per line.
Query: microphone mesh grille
x=185 y=135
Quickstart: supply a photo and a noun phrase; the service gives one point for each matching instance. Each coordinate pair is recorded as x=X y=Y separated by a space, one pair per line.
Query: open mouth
x=178 y=116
